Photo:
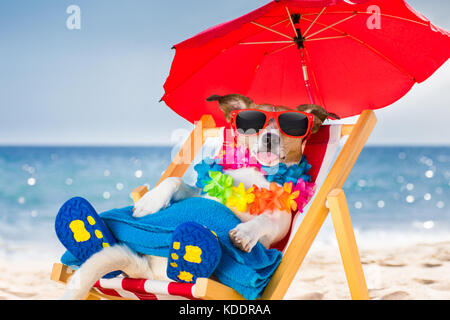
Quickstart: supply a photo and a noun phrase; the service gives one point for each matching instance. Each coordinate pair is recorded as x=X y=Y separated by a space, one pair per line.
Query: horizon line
x=25 y=145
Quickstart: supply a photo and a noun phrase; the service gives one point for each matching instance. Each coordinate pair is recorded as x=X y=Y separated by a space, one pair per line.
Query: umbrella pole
x=305 y=76
x=316 y=86
x=298 y=40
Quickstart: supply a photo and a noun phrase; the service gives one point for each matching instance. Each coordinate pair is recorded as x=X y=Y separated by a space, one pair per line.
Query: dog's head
x=271 y=146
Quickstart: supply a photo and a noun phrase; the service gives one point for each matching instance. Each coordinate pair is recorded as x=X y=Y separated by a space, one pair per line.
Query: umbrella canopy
x=344 y=55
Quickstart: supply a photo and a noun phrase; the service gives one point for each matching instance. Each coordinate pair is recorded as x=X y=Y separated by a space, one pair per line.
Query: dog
x=269 y=147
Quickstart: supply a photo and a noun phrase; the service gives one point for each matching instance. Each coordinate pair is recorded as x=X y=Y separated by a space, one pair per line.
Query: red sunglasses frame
x=274 y=115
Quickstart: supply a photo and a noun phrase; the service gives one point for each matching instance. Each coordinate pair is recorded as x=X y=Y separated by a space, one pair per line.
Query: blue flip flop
x=81 y=230
x=195 y=253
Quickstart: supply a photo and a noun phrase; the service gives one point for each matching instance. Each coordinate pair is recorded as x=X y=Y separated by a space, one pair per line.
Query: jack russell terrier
x=272 y=134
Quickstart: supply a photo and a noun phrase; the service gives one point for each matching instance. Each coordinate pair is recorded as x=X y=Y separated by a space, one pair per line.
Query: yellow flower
x=289 y=197
x=240 y=198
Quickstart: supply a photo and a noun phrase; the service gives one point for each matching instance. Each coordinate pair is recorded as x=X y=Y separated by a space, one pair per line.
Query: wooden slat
x=346 y=129
x=61 y=273
x=189 y=150
x=138 y=193
x=208 y=132
x=92 y=296
x=208 y=289
x=314 y=218
x=347 y=245
x=211 y=133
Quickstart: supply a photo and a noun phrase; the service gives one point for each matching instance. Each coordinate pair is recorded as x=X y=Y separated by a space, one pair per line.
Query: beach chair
x=321 y=150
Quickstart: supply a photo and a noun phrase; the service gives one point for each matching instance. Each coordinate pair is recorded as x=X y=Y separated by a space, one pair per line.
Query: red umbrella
x=344 y=55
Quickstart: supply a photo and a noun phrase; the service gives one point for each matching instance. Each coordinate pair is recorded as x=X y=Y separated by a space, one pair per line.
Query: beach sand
x=413 y=272
x=406 y=272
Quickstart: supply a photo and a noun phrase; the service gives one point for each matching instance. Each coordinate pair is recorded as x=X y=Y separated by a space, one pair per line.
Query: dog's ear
x=231 y=102
x=320 y=114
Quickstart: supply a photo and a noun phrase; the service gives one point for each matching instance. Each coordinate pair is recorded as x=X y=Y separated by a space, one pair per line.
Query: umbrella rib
x=382 y=56
x=266 y=42
x=312 y=23
x=272 y=25
x=327 y=38
x=331 y=25
x=280 y=49
x=272 y=30
x=370 y=13
x=215 y=56
x=292 y=22
x=372 y=49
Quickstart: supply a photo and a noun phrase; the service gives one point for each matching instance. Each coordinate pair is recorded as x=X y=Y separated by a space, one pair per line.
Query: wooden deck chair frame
x=329 y=198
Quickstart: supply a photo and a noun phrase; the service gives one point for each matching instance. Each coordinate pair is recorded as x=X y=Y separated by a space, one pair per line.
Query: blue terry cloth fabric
x=247 y=273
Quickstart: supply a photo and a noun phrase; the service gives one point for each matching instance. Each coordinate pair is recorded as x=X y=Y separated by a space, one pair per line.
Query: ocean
x=395 y=194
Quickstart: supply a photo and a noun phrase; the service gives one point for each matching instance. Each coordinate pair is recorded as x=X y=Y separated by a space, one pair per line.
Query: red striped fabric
x=109 y=292
x=134 y=285
x=139 y=288
x=181 y=289
x=315 y=150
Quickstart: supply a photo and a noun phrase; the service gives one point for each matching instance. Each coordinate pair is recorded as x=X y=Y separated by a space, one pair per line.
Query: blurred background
x=79 y=116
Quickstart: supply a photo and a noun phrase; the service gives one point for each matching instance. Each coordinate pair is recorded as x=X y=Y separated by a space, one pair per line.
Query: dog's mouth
x=268 y=150
x=267 y=158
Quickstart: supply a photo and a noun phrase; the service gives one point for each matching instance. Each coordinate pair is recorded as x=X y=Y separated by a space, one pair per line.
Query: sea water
x=394 y=193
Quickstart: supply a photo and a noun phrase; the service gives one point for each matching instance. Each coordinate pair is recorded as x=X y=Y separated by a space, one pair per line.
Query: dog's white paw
x=243 y=237
x=153 y=201
x=157 y=199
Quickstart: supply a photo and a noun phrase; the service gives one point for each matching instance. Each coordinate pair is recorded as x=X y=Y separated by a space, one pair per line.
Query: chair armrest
x=138 y=193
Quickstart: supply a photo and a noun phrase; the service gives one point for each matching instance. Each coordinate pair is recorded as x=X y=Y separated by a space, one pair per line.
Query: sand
x=414 y=272
x=410 y=272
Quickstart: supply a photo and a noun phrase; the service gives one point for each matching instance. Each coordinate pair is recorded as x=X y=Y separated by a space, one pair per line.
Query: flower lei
x=290 y=187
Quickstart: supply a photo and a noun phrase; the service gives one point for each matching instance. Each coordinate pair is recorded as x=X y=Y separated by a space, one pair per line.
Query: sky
x=100 y=84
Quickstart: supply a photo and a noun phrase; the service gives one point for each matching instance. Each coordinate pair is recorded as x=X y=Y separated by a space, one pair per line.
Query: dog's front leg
x=267 y=228
x=170 y=190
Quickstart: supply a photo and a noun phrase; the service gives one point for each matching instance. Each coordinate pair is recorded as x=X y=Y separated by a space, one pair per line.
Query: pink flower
x=306 y=190
x=232 y=157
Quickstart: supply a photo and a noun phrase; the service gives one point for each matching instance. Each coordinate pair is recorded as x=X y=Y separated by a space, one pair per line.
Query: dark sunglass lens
x=250 y=122
x=293 y=123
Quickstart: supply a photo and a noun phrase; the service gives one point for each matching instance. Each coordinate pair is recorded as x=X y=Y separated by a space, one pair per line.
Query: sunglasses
x=292 y=123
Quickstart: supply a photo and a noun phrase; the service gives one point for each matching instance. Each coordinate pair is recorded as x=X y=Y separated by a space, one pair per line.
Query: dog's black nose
x=267 y=140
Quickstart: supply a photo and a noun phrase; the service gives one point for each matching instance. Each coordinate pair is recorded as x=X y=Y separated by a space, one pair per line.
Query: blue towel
x=247 y=273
